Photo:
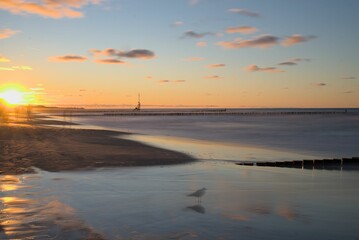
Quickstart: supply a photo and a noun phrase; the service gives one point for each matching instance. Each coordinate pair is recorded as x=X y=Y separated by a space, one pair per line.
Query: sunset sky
x=192 y=53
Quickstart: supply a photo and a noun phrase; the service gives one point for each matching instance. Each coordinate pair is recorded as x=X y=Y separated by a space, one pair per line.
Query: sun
x=12 y=96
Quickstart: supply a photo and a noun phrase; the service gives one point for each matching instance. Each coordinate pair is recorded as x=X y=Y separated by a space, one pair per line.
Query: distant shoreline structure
x=195 y=112
x=222 y=112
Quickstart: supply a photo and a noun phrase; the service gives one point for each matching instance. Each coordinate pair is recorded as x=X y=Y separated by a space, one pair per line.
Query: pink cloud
x=177 y=24
x=67 y=58
x=194 y=59
x=242 y=29
x=296 y=39
x=115 y=56
x=264 y=41
x=47 y=8
x=218 y=65
x=109 y=61
x=255 y=68
x=6 y=33
x=135 y=53
x=201 y=44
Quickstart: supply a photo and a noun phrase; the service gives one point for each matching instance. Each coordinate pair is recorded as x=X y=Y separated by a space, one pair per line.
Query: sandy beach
x=56 y=149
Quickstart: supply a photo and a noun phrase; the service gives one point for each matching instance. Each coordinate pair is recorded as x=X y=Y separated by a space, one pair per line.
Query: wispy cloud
x=218 y=65
x=194 y=59
x=68 y=58
x=164 y=81
x=109 y=61
x=37 y=89
x=201 y=44
x=172 y=81
x=4 y=59
x=6 y=69
x=255 y=68
x=22 y=67
x=264 y=41
x=244 y=12
x=214 y=77
x=293 y=61
x=6 y=32
x=47 y=8
x=135 y=53
x=15 y=68
x=348 y=78
x=296 y=39
x=192 y=34
x=242 y=29
x=114 y=56
x=177 y=24
x=287 y=63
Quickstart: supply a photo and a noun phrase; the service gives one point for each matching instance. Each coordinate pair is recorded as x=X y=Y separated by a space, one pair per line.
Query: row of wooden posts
x=344 y=163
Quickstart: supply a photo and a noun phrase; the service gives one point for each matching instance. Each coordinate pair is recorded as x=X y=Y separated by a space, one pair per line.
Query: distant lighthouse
x=138 y=107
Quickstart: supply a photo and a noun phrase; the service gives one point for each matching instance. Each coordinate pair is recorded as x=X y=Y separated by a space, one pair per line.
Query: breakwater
x=328 y=164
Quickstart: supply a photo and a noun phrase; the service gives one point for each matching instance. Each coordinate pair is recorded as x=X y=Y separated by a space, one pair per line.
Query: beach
x=111 y=178
x=24 y=146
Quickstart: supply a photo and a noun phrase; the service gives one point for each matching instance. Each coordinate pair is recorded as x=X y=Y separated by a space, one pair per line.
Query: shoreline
x=24 y=146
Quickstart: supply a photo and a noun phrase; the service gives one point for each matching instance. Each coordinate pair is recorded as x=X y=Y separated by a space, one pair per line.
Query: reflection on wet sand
x=151 y=203
x=10 y=183
x=283 y=210
x=238 y=217
x=197 y=208
x=259 y=209
x=291 y=213
x=38 y=217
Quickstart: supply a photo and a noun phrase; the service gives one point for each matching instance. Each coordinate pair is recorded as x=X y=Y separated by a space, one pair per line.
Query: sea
x=241 y=202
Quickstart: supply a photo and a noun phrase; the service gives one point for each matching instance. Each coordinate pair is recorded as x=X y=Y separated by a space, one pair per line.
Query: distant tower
x=138 y=107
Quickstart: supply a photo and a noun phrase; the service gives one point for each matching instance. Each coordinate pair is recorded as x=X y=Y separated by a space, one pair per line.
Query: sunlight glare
x=12 y=96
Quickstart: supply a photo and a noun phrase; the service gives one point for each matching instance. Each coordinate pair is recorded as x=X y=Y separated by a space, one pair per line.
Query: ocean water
x=241 y=202
x=243 y=138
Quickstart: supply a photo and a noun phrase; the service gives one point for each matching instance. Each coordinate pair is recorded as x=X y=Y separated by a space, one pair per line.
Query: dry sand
x=56 y=149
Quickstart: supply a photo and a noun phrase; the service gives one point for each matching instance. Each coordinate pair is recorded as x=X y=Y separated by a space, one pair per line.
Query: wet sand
x=57 y=149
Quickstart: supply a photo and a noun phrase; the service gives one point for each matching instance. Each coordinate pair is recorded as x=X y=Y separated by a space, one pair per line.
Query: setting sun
x=12 y=96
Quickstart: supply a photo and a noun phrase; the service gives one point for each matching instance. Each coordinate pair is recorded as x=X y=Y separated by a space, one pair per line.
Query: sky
x=182 y=53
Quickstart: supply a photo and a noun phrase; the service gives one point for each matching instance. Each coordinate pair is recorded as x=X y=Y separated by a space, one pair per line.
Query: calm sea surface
x=243 y=138
x=242 y=202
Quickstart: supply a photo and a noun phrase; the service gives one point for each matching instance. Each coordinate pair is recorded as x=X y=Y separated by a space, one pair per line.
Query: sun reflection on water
x=38 y=216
